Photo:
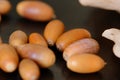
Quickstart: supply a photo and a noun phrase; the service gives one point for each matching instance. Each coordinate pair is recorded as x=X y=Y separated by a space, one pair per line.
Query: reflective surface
x=73 y=15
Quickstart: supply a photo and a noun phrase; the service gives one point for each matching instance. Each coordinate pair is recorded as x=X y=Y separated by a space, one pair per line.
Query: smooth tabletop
x=74 y=16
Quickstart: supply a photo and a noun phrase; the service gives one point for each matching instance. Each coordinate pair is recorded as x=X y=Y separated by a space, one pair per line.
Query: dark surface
x=73 y=15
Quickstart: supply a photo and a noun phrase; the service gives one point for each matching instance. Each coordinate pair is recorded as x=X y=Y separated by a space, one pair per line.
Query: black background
x=74 y=16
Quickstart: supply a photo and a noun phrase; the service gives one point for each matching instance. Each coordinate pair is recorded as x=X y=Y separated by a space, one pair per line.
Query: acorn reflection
x=75 y=76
